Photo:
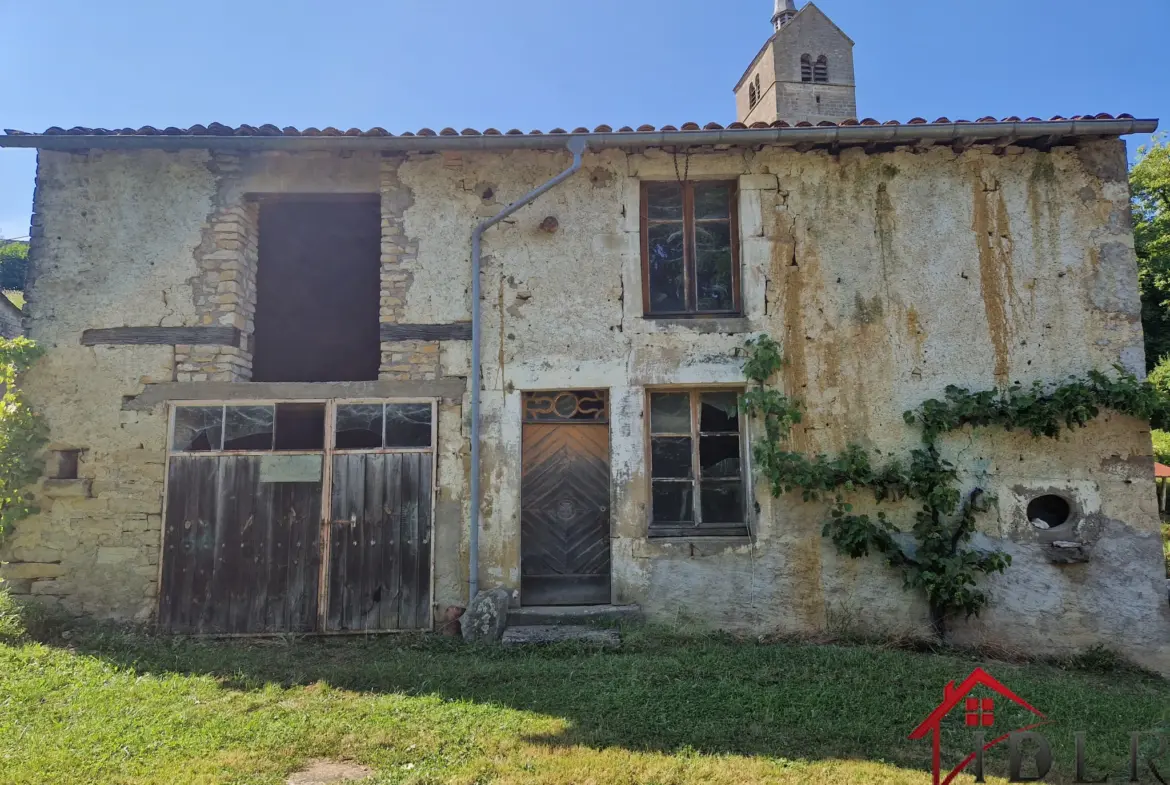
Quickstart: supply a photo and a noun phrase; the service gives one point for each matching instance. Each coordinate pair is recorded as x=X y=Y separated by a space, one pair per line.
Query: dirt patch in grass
x=328 y=772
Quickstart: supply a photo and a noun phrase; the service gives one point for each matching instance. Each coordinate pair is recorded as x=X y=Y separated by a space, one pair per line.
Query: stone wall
x=886 y=277
x=785 y=95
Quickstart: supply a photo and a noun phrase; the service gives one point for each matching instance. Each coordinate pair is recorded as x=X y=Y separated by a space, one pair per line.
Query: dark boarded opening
x=317 y=290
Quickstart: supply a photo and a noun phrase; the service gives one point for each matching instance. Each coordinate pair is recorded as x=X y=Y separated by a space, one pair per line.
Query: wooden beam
x=456 y=331
x=451 y=388
x=162 y=336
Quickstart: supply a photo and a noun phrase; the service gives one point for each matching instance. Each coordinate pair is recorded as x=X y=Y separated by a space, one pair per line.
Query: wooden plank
x=301 y=614
x=154 y=394
x=277 y=558
x=455 y=331
x=339 y=513
x=211 y=335
x=354 y=536
x=411 y=542
x=305 y=519
x=226 y=543
x=422 y=617
x=203 y=477
x=243 y=555
x=373 y=592
x=179 y=563
x=392 y=551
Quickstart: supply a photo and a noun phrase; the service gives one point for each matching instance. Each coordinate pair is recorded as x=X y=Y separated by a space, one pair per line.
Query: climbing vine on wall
x=23 y=434
x=933 y=554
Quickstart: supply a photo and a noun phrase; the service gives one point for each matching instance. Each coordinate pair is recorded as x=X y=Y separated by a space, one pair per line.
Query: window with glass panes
x=696 y=463
x=690 y=249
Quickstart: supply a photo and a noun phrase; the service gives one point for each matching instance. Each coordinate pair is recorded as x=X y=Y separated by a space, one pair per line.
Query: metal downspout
x=576 y=146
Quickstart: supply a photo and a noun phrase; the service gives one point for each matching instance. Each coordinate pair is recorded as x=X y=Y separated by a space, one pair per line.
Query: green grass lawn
x=113 y=708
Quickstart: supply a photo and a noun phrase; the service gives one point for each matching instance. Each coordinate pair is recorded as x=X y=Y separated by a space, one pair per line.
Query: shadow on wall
x=712 y=695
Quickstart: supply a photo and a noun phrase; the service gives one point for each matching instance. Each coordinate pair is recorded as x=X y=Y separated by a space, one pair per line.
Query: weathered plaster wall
x=887 y=278
x=113 y=236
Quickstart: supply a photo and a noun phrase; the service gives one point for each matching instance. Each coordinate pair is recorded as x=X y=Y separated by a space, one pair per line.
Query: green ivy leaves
x=937 y=561
x=23 y=434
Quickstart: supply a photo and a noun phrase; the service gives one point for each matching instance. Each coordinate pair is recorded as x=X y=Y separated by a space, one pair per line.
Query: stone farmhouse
x=305 y=380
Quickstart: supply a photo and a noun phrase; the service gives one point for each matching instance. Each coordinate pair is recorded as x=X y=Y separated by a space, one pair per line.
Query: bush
x=11 y=618
x=1166 y=546
x=1161 y=446
x=22 y=434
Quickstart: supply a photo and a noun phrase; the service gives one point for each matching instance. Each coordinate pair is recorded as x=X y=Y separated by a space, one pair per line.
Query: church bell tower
x=804 y=73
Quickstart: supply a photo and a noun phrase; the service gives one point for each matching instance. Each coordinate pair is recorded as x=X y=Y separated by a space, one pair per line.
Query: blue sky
x=405 y=64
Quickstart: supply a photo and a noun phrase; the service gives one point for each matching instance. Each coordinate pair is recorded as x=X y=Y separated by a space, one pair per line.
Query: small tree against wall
x=932 y=554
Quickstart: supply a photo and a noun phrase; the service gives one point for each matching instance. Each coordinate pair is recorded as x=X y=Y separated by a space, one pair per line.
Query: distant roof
x=850 y=132
x=1161 y=471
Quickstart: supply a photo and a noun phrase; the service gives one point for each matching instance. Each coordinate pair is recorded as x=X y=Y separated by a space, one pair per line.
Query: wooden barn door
x=379 y=571
x=298 y=517
x=564 y=507
x=242 y=549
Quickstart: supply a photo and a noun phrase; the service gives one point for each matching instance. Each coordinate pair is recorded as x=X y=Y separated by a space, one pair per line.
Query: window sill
x=679 y=535
x=703 y=324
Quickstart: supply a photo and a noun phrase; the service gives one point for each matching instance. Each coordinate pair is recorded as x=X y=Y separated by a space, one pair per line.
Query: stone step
x=551 y=615
x=542 y=634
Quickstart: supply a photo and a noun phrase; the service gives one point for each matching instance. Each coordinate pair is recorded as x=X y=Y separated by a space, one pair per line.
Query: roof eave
x=803 y=137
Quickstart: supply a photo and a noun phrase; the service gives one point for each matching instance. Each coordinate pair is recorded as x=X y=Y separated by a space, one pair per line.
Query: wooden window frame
x=689 y=276
x=697 y=529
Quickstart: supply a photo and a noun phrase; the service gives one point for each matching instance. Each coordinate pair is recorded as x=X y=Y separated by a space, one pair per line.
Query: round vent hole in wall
x=1048 y=511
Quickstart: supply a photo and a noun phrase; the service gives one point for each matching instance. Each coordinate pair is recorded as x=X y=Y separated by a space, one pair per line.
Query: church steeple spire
x=785 y=10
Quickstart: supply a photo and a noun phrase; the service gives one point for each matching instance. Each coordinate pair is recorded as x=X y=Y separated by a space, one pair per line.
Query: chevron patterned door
x=564 y=509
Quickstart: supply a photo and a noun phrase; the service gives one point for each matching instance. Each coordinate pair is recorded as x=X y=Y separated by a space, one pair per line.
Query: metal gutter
x=576 y=146
x=1004 y=132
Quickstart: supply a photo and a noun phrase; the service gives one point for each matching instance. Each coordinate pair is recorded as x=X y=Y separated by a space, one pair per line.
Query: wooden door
x=564 y=509
x=241 y=553
x=380 y=542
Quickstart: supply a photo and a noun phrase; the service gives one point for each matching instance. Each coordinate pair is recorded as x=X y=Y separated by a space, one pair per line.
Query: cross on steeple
x=785 y=10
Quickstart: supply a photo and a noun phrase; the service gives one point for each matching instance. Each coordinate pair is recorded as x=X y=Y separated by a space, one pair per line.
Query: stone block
x=129 y=504
x=36 y=553
x=117 y=555
x=31 y=570
x=51 y=587
x=486 y=617
x=64 y=489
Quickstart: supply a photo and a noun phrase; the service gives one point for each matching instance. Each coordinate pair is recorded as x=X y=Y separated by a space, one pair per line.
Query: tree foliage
x=23 y=434
x=1149 y=181
x=13 y=264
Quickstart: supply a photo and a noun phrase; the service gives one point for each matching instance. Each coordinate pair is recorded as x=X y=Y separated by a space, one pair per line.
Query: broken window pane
x=670 y=413
x=713 y=266
x=198 y=428
x=248 y=428
x=719 y=412
x=300 y=426
x=408 y=425
x=719 y=456
x=670 y=456
x=664 y=201
x=672 y=502
x=665 y=272
x=712 y=200
x=359 y=426
x=722 y=502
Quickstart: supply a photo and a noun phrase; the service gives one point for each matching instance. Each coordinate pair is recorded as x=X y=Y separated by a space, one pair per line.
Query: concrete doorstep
x=536 y=635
